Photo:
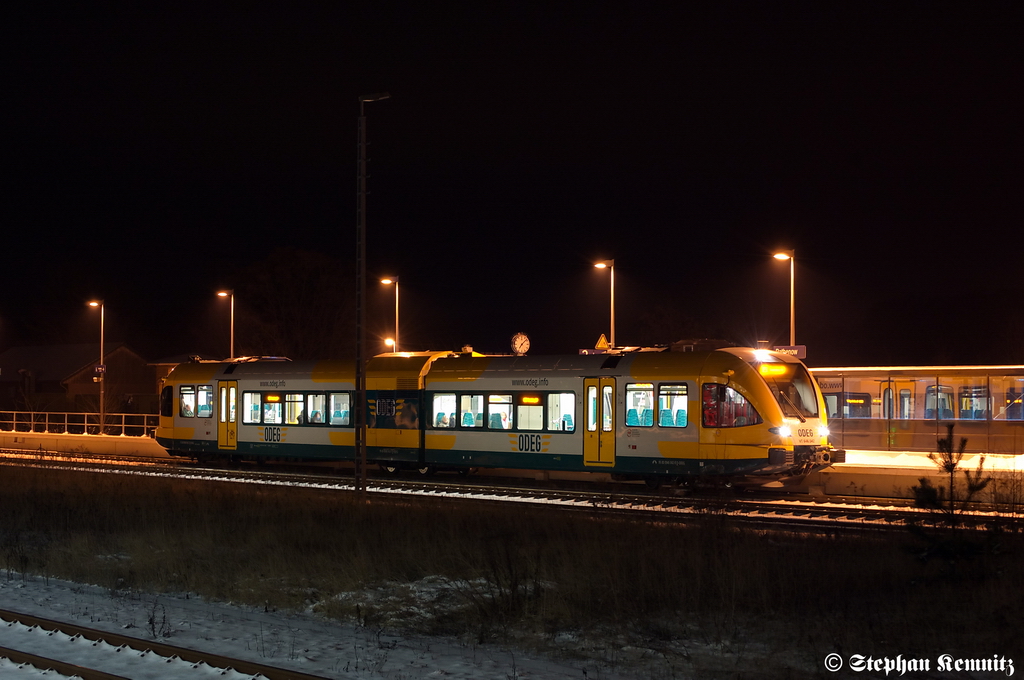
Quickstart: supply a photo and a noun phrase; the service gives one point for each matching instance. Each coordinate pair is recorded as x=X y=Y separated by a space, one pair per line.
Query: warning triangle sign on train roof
x=602 y=343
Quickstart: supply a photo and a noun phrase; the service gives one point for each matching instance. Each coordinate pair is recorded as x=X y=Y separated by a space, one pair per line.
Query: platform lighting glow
x=388 y=280
x=610 y=266
x=763 y=355
x=230 y=295
x=390 y=342
x=791 y=256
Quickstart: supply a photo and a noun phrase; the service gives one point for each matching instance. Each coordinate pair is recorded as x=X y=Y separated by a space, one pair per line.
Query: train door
x=712 y=439
x=227 y=423
x=599 y=433
x=896 y=398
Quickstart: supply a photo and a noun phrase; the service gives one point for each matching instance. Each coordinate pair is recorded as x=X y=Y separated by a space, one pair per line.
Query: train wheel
x=426 y=470
x=390 y=468
x=652 y=483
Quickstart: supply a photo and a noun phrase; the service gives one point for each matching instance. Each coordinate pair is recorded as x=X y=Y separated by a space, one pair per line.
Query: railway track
x=822 y=513
x=91 y=654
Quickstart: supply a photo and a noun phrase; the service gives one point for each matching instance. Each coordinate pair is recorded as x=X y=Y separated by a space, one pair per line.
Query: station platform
x=83 y=443
x=892 y=474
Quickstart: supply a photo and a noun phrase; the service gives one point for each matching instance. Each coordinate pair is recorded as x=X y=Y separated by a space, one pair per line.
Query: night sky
x=154 y=158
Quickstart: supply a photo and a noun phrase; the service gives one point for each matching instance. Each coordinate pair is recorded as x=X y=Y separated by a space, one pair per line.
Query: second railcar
x=908 y=408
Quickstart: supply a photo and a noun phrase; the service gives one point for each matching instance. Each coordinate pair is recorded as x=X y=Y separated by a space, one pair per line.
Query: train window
x=856 y=405
x=167 y=401
x=1014 y=402
x=793 y=387
x=499 y=411
x=938 y=402
x=672 y=406
x=591 y=408
x=973 y=401
x=315 y=406
x=530 y=412
x=340 y=414
x=444 y=410
x=639 y=404
x=471 y=408
x=722 y=406
x=293 y=409
x=251 y=407
x=1007 y=397
x=562 y=412
x=187 y=401
x=906 y=404
x=204 y=401
x=608 y=403
x=272 y=408
x=831 y=405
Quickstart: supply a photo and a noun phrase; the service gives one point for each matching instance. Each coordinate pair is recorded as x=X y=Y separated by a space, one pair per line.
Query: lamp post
x=230 y=294
x=394 y=280
x=101 y=369
x=610 y=265
x=791 y=256
x=360 y=396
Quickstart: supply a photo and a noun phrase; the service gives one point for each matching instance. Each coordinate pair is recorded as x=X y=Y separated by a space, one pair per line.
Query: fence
x=117 y=424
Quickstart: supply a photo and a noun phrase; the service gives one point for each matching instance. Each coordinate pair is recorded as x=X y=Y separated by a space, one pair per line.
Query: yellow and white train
x=734 y=415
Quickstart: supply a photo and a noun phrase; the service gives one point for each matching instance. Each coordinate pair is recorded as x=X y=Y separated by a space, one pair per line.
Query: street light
x=230 y=294
x=360 y=396
x=101 y=369
x=394 y=280
x=791 y=256
x=610 y=265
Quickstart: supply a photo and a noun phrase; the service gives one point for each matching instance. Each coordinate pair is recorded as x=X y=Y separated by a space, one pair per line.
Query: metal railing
x=117 y=424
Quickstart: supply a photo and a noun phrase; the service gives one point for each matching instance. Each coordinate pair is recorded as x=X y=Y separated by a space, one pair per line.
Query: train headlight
x=783 y=431
x=823 y=431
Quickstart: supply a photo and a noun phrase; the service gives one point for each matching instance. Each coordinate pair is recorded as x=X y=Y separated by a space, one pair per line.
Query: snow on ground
x=297 y=641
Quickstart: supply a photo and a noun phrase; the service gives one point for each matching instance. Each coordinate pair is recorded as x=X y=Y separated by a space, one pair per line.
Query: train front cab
x=761 y=418
x=189 y=423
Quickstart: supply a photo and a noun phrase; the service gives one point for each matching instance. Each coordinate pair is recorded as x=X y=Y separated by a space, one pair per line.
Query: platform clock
x=520 y=344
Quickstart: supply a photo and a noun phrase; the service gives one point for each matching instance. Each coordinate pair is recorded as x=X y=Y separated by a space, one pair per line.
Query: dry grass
x=446 y=567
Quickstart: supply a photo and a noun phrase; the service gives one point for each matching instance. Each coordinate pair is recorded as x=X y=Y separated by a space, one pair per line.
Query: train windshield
x=793 y=387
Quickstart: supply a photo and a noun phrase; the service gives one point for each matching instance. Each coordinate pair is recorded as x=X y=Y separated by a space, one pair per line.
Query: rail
x=117 y=424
